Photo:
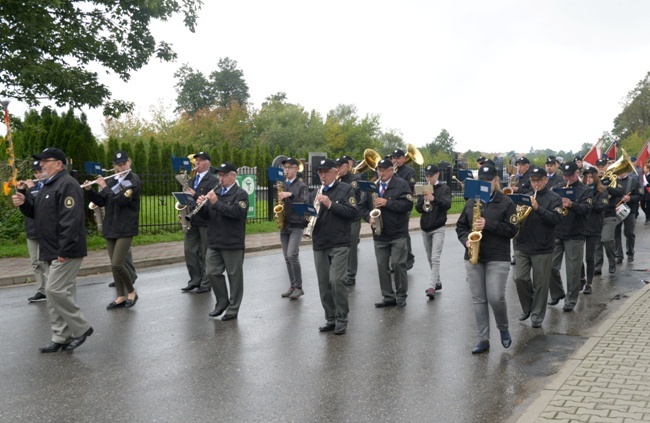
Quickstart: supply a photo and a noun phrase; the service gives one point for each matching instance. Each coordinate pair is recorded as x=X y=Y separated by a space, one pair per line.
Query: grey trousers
x=433 y=242
x=40 y=275
x=117 y=251
x=353 y=257
x=232 y=262
x=290 y=239
x=573 y=251
x=130 y=267
x=66 y=317
x=397 y=252
x=606 y=242
x=628 y=230
x=331 y=271
x=533 y=293
x=196 y=247
x=487 y=283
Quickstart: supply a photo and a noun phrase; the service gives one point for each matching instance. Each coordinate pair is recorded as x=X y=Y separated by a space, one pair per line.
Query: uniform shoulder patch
x=242 y=204
x=589 y=201
x=513 y=219
x=410 y=197
x=559 y=210
x=68 y=202
x=605 y=201
x=354 y=184
x=352 y=201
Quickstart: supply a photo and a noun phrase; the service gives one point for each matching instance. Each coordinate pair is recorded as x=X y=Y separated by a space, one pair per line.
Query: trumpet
x=427 y=206
x=124 y=172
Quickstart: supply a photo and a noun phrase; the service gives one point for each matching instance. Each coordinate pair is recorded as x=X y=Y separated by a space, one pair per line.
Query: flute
x=108 y=177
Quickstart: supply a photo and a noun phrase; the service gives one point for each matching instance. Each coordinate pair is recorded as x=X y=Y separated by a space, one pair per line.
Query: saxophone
x=99 y=216
x=375 y=215
x=309 y=230
x=476 y=235
x=278 y=210
x=183 y=179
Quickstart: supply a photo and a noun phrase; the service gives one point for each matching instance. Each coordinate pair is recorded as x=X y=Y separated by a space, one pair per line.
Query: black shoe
x=53 y=347
x=612 y=269
x=113 y=305
x=188 y=288
x=537 y=325
x=513 y=261
x=567 y=307
x=328 y=327
x=131 y=303
x=524 y=316
x=202 y=290
x=409 y=266
x=554 y=301
x=217 y=311
x=76 y=342
x=392 y=270
x=384 y=303
x=39 y=296
x=598 y=272
x=340 y=329
x=350 y=282
x=587 y=289
x=400 y=303
x=506 y=340
x=228 y=316
x=481 y=347
x=111 y=285
x=619 y=260
x=438 y=286
x=583 y=282
x=630 y=259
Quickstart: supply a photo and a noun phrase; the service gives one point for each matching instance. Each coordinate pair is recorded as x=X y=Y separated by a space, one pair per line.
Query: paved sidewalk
x=14 y=271
x=608 y=378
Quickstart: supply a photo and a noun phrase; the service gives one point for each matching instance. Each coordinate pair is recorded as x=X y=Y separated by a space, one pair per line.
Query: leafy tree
x=140 y=158
x=111 y=149
x=635 y=116
x=194 y=91
x=226 y=155
x=215 y=156
x=229 y=84
x=443 y=143
x=126 y=147
x=389 y=141
x=48 y=46
x=166 y=158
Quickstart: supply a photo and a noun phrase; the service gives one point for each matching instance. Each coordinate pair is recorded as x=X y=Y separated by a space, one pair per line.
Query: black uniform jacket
x=500 y=216
x=614 y=196
x=332 y=229
x=632 y=185
x=299 y=194
x=396 y=213
x=121 y=213
x=30 y=225
x=554 y=180
x=595 y=219
x=437 y=217
x=537 y=231
x=59 y=213
x=407 y=173
x=646 y=187
x=572 y=225
x=227 y=229
x=352 y=180
x=207 y=183
x=523 y=183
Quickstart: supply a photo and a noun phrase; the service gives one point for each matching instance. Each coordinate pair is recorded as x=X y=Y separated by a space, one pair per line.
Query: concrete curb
x=546 y=395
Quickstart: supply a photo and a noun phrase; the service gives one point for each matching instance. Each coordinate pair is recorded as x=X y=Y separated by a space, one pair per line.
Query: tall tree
x=442 y=146
x=228 y=83
x=193 y=90
x=635 y=116
x=47 y=47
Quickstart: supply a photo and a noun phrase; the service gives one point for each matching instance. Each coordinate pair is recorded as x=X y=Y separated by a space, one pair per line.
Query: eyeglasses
x=48 y=160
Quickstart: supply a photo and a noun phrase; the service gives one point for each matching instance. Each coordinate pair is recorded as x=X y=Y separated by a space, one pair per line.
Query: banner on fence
x=249 y=184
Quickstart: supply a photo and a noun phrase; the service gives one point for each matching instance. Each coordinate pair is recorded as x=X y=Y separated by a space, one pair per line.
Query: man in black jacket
x=395 y=203
x=293 y=191
x=554 y=178
x=570 y=239
x=58 y=212
x=633 y=194
x=433 y=206
x=120 y=197
x=226 y=242
x=336 y=206
x=196 y=238
x=343 y=167
x=523 y=177
x=32 y=237
x=534 y=248
x=407 y=173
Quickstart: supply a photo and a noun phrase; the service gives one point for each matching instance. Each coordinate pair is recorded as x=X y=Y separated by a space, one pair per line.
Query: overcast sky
x=498 y=75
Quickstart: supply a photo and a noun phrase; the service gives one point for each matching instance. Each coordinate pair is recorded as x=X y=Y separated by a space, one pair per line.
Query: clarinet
x=199 y=206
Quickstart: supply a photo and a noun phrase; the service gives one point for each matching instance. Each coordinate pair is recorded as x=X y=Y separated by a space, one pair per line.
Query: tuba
x=619 y=167
x=369 y=162
x=413 y=155
x=183 y=178
x=475 y=236
x=278 y=210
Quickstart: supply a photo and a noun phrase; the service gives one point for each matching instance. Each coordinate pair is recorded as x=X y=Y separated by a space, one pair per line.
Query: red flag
x=612 y=150
x=644 y=155
x=593 y=154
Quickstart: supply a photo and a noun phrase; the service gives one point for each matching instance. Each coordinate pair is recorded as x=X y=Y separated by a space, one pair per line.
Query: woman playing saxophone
x=487 y=279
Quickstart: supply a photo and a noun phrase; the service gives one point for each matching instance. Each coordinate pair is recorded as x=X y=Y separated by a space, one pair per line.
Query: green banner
x=249 y=184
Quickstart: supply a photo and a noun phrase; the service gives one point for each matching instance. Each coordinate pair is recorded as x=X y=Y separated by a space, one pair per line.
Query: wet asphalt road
x=165 y=360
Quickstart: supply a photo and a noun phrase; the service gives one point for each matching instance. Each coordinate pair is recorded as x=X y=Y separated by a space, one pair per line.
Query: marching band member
x=607 y=241
x=487 y=279
x=58 y=213
x=120 y=198
x=534 y=248
x=570 y=239
x=594 y=222
x=336 y=207
x=433 y=208
x=195 y=243
x=343 y=166
x=632 y=187
x=395 y=202
x=553 y=176
x=578 y=161
x=226 y=242
x=523 y=177
x=407 y=173
x=40 y=275
x=294 y=191
x=645 y=202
